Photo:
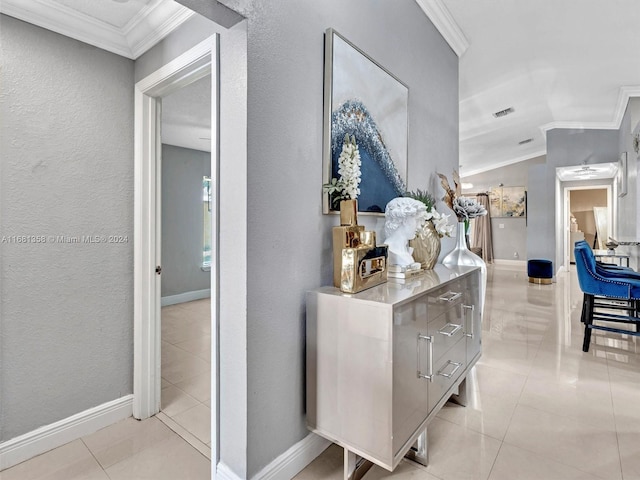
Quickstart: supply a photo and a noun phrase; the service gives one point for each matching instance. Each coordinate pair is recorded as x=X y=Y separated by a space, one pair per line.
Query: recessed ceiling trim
x=529 y=156
x=580 y=126
x=446 y=25
x=624 y=95
x=141 y=33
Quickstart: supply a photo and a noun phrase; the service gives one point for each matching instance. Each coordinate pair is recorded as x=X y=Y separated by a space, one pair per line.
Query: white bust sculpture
x=403 y=217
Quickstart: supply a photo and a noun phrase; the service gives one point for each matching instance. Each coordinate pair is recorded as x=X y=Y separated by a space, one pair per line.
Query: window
x=206 y=210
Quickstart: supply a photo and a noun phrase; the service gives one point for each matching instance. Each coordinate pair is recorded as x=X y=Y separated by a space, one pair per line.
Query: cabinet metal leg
x=355 y=467
x=419 y=452
x=460 y=398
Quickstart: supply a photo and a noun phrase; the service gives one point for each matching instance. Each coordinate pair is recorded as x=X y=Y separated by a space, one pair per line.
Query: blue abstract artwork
x=364 y=100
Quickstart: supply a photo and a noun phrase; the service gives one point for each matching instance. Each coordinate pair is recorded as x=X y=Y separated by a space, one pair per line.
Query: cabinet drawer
x=446 y=331
x=442 y=299
x=446 y=371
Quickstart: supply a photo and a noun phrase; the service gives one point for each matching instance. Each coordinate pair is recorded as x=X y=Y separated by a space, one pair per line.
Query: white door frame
x=192 y=65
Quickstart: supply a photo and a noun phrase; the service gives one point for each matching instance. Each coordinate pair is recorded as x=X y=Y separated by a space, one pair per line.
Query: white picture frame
x=621 y=178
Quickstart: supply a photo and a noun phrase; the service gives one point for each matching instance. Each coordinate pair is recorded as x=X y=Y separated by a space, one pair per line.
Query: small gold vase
x=426 y=246
x=349 y=212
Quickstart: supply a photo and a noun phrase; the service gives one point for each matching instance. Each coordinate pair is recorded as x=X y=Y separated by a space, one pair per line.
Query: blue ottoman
x=540 y=271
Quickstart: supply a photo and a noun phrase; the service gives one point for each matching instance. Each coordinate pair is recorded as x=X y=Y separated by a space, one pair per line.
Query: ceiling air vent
x=528 y=140
x=503 y=113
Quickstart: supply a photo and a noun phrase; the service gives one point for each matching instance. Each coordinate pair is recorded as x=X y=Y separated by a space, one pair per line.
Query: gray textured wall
x=289 y=248
x=512 y=237
x=67 y=169
x=564 y=147
x=182 y=219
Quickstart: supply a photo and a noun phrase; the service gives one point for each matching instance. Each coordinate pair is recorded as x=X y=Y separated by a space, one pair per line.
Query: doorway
x=186 y=210
x=190 y=67
x=583 y=205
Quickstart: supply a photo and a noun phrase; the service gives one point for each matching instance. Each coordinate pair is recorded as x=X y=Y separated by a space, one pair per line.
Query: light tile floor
x=540 y=408
x=186 y=368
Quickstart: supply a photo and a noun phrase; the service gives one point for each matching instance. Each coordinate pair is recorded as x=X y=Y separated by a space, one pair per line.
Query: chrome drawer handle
x=429 y=339
x=472 y=308
x=452 y=332
x=456 y=366
x=450 y=296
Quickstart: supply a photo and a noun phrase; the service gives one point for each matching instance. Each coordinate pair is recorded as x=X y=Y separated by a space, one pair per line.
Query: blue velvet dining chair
x=607 y=292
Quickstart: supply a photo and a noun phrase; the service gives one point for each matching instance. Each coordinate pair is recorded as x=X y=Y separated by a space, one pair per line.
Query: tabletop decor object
x=427 y=245
x=465 y=209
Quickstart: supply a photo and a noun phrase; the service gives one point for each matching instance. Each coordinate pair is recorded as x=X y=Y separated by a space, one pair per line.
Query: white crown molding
x=464 y=174
x=145 y=30
x=624 y=95
x=46 y=438
x=613 y=125
x=67 y=21
x=446 y=25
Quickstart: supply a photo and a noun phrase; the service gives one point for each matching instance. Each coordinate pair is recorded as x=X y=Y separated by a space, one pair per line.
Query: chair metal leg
x=588 y=321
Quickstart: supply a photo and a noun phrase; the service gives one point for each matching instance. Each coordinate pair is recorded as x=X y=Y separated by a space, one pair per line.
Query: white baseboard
x=514 y=263
x=46 y=438
x=285 y=466
x=185 y=297
x=224 y=473
x=288 y=464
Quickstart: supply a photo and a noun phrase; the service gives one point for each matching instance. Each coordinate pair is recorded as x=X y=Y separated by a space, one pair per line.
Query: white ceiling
x=557 y=63
x=186 y=116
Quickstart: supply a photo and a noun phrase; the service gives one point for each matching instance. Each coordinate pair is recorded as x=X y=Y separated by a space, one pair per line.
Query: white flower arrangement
x=440 y=223
x=347 y=186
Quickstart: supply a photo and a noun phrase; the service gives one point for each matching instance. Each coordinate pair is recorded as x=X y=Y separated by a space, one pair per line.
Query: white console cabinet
x=381 y=363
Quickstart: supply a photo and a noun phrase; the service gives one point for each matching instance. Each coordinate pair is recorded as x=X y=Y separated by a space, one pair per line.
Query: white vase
x=461 y=255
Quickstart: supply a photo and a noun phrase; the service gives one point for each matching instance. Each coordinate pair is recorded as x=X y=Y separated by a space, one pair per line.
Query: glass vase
x=426 y=246
x=461 y=255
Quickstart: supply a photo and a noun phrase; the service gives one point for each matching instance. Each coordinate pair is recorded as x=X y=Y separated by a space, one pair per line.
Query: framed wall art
x=508 y=202
x=365 y=101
